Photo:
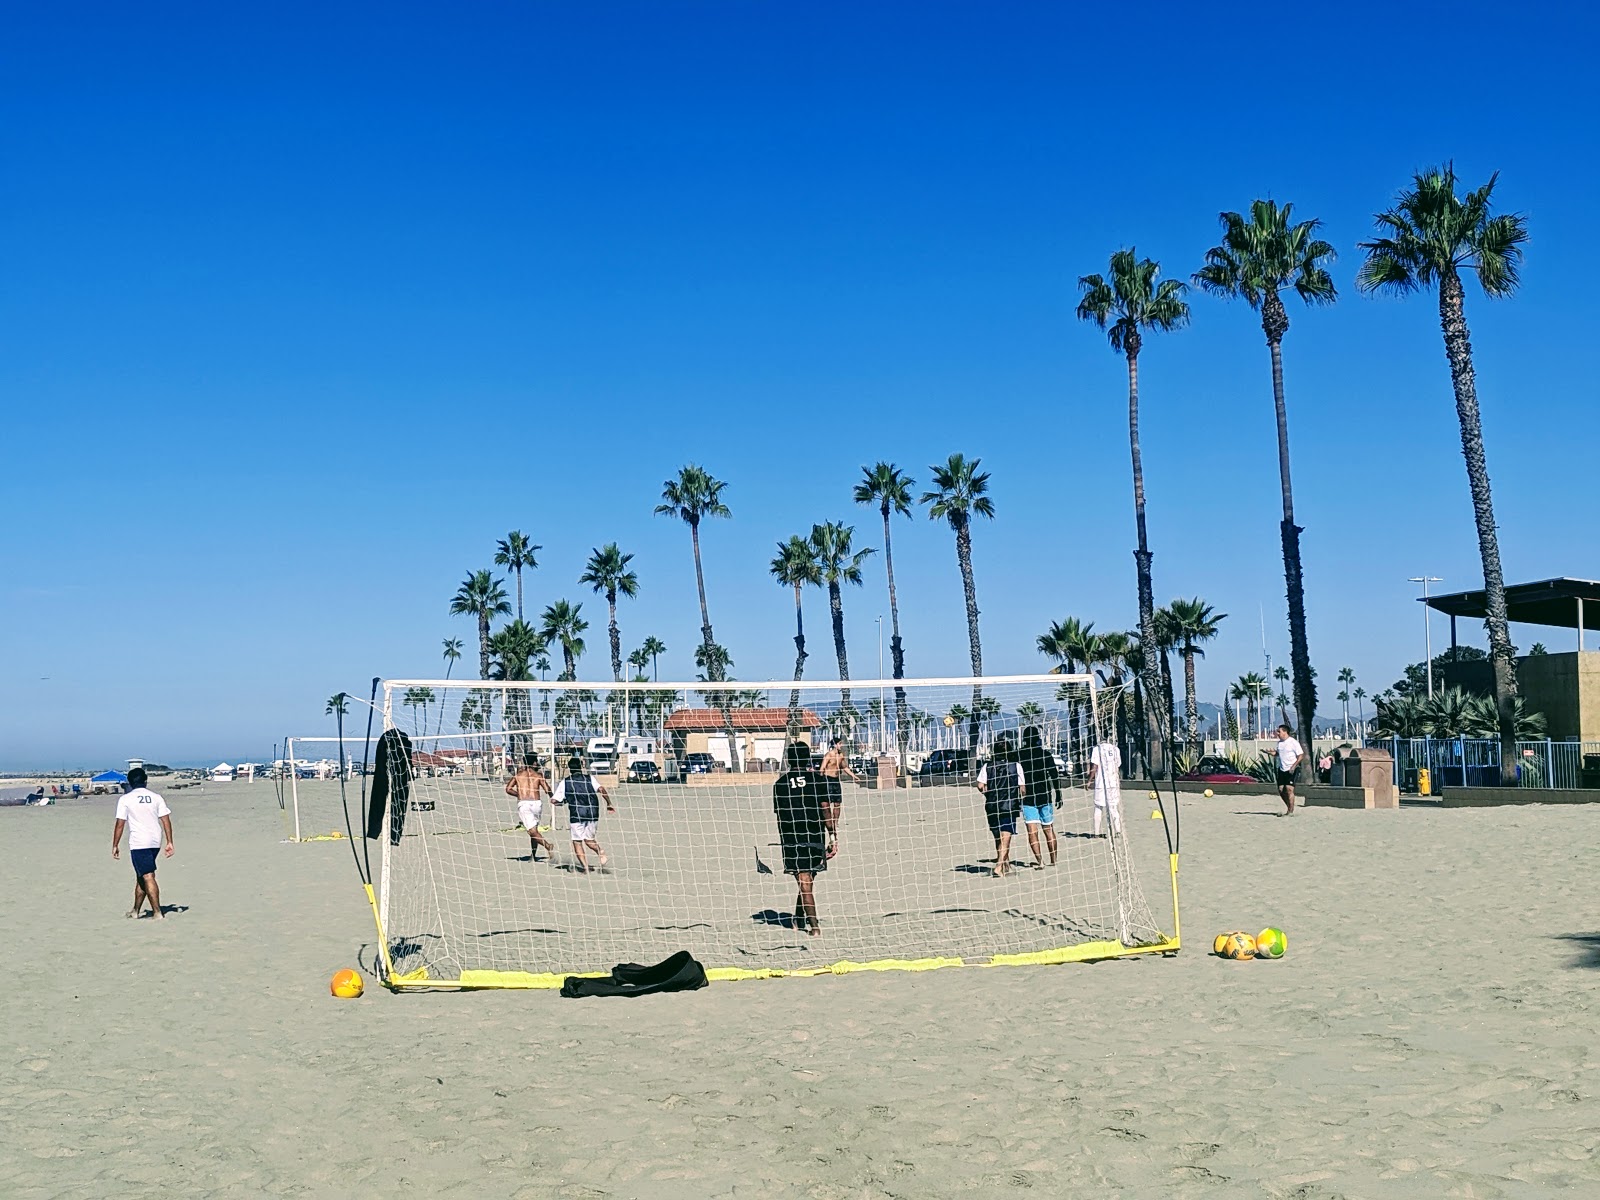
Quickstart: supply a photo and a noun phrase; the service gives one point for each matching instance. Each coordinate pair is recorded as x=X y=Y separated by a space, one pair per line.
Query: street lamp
x=1427 y=625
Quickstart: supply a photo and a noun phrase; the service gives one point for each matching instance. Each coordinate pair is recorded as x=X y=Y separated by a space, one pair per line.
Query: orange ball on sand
x=346 y=984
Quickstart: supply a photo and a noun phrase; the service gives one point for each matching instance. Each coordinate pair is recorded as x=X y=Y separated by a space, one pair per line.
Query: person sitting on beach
x=1105 y=781
x=1000 y=781
x=1043 y=784
x=799 y=800
x=148 y=820
x=530 y=787
x=834 y=764
x=582 y=796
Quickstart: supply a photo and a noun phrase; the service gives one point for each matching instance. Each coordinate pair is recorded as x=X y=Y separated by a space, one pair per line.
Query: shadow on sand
x=1588 y=947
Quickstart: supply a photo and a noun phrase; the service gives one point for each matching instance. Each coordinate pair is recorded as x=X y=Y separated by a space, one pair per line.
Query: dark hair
x=137 y=778
x=574 y=765
x=530 y=760
x=1031 y=737
x=1004 y=748
x=797 y=757
x=836 y=741
x=1287 y=730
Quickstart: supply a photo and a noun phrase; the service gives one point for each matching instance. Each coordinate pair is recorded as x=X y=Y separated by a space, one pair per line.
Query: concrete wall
x=1566 y=689
x=1489 y=797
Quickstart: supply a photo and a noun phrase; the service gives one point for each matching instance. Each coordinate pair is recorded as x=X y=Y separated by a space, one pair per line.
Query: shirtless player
x=834 y=764
x=530 y=787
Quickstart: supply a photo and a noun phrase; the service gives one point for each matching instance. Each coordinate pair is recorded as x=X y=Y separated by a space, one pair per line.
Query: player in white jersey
x=1105 y=781
x=148 y=820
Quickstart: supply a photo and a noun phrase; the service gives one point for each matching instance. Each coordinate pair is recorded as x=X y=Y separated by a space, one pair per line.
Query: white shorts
x=1107 y=800
x=528 y=812
x=583 y=831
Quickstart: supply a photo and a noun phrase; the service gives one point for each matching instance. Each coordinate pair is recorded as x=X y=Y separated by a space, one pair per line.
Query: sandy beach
x=1429 y=1034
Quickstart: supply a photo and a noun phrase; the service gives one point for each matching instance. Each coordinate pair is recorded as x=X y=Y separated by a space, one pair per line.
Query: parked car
x=700 y=763
x=946 y=766
x=1212 y=769
x=644 y=771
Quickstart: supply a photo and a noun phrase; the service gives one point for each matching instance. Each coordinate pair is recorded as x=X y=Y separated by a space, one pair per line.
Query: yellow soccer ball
x=1154 y=796
x=347 y=984
x=1239 y=946
x=1220 y=944
x=1271 y=943
x=1208 y=793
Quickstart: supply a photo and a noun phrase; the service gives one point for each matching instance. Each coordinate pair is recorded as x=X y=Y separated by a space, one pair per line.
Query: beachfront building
x=762 y=733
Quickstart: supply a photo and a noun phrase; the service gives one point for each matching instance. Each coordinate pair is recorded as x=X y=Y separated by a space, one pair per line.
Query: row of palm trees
x=1429 y=238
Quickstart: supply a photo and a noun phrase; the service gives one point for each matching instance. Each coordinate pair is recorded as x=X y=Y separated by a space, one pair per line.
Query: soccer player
x=1290 y=754
x=799 y=800
x=834 y=763
x=582 y=796
x=1105 y=781
x=148 y=820
x=529 y=787
x=1043 y=785
x=1000 y=780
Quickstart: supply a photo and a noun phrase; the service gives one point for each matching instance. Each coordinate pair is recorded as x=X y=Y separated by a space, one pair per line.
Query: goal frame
x=470 y=980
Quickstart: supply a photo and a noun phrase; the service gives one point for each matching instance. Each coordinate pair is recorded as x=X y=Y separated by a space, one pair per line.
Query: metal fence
x=1475 y=762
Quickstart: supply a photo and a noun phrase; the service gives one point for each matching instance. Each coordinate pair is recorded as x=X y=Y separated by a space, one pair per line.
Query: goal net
x=307 y=778
x=726 y=835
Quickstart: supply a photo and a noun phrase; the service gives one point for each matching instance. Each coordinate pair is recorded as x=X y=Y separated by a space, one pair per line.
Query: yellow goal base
x=1087 y=952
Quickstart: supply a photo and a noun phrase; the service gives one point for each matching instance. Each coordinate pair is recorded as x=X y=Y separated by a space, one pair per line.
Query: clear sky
x=302 y=307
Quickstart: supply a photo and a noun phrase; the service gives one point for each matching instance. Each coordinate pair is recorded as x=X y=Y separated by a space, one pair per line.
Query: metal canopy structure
x=1562 y=603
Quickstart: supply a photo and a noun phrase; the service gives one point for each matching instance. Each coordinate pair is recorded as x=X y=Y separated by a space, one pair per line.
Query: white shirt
x=1106 y=759
x=1288 y=751
x=142 y=809
x=983 y=774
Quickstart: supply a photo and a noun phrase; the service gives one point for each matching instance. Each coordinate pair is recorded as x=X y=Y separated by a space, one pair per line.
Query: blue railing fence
x=1475 y=762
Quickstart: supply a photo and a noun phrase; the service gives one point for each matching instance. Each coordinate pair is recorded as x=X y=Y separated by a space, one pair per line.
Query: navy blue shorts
x=144 y=861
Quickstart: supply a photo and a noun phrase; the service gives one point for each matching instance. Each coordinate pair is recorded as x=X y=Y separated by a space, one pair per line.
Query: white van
x=637 y=749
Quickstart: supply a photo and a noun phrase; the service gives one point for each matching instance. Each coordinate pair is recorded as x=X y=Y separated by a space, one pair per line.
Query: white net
x=306 y=777
x=483 y=887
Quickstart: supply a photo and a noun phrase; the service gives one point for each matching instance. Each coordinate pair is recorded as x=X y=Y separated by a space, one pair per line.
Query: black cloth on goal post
x=679 y=973
x=391 y=785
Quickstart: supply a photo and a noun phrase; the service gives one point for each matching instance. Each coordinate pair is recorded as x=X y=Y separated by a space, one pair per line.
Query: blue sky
x=301 y=311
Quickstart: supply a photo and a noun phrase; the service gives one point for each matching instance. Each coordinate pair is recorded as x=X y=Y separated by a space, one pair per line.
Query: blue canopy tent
x=109 y=777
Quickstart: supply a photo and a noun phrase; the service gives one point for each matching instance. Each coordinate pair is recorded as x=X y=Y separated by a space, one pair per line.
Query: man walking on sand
x=582 y=796
x=529 y=787
x=1290 y=753
x=1105 y=784
x=148 y=820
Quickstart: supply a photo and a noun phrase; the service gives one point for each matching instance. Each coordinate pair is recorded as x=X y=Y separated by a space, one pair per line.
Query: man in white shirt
x=1105 y=781
x=1290 y=752
x=148 y=820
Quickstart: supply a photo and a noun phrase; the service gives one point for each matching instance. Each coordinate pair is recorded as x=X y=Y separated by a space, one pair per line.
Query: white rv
x=602 y=755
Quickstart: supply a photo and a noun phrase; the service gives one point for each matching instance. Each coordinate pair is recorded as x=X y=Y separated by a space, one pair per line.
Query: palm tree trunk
x=715 y=672
x=1151 y=674
x=799 y=665
x=519 y=593
x=974 y=645
x=836 y=610
x=483 y=643
x=1191 y=704
x=896 y=652
x=1275 y=322
x=1502 y=656
x=616 y=637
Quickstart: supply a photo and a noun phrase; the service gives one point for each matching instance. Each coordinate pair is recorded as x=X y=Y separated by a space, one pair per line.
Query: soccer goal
x=712 y=829
x=308 y=778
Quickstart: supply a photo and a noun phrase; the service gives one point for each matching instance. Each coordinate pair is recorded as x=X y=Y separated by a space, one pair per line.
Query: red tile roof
x=744 y=720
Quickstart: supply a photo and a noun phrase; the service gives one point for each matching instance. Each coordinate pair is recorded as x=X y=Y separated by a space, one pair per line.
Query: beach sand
x=1429 y=1034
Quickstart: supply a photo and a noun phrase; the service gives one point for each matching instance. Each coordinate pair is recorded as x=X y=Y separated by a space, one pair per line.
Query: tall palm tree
x=692 y=497
x=1361 y=711
x=512 y=649
x=795 y=565
x=1259 y=258
x=452 y=655
x=482 y=596
x=1073 y=644
x=1166 y=643
x=960 y=492
x=654 y=647
x=1193 y=621
x=338 y=705
x=839 y=563
x=562 y=624
x=516 y=551
x=1125 y=304
x=1348 y=678
x=1430 y=236
x=887 y=486
x=607 y=572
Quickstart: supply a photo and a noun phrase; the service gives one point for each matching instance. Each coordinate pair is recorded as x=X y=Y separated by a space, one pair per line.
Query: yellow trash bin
x=1424 y=782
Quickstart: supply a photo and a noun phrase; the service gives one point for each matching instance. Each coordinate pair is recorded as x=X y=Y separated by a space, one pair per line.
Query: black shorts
x=833 y=791
x=144 y=861
x=1286 y=778
x=804 y=854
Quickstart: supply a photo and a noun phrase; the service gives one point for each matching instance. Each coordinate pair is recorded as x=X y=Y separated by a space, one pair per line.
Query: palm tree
x=512 y=649
x=887 y=486
x=639 y=660
x=795 y=565
x=1250 y=688
x=607 y=572
x=960 y=492
x=1346 y=677
x=1361 y=711
x=338 y=705
x=1258 y=260
x=1125 y=305
x=1073 y=644
x=654 y=647
x=452 y=654
x=481 y=595
x=1192 y=622
x=1431 y=235
x=693 y=496
x=516 y=551
x=838 y=564
x=1166 y=642
x=563 y=624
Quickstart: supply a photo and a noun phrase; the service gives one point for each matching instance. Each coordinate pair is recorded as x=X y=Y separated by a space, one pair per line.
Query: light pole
x=883 y=713
x=1427 y=625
